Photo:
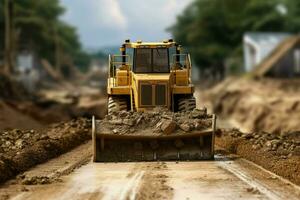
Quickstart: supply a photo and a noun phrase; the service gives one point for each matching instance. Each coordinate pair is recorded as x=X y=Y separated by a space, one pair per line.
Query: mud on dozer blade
x=127 y=148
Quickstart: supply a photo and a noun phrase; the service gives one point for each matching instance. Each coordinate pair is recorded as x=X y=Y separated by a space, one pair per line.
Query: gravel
x=158 y=121
x=285 y=144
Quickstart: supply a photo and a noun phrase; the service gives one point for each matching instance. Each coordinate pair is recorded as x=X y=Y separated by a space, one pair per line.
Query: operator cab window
x=143 y=60
x=151 y=60
x=160 y=60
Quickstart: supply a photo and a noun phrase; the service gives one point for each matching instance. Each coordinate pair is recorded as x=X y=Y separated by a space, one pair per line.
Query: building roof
x=263 y=43
x=276 y=55
x=263 y=38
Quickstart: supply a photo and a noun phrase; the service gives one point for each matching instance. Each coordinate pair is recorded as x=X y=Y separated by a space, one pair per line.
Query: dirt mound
x=157 y=122
x=10 y=118
x=21 y=149
x=277 y=153
x=258 y=105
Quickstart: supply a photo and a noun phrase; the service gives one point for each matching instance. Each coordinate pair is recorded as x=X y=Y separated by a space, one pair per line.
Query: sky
x=103 y=23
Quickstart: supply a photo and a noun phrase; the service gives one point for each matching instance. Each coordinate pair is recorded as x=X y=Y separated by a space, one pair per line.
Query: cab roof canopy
x=140 y=44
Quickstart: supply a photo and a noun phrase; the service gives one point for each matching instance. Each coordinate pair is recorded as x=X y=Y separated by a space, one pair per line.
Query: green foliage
x=38 y=27
x=213 y=29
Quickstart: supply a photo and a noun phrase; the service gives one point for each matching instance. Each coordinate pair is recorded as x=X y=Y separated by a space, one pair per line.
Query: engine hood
x=152 y=77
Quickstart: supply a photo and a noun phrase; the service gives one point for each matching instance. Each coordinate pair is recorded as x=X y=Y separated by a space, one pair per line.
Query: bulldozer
x=144 y=76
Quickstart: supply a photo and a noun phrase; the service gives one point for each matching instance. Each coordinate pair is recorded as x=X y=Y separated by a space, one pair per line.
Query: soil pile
x=20 y=150
x=277 y=153
x=284 y=146
x=269 y=105
x=156 y=122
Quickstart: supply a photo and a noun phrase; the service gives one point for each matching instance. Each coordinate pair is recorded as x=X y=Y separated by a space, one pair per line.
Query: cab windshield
x=151 y=60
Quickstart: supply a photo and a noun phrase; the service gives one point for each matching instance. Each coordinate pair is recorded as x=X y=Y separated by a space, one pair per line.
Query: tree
x=213 y=29
x=38 y=27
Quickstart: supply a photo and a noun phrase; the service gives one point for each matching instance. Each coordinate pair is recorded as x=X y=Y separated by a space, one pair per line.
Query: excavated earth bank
x=270 y=105
x=277 y=153
x=20 y=149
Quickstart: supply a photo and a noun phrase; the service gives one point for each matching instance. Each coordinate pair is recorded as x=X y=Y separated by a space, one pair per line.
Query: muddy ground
x=257 y=105
x=277 y=153
x=267 y=112
x=22 y=149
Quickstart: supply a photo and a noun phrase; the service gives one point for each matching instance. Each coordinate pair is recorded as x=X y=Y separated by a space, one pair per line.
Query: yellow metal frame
x=136 y=80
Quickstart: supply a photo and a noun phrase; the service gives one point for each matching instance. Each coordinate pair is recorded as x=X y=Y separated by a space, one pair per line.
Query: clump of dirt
x=158 y=122
x=270 y=105
x=37 y=180
x=22 y=149
x=277 y=153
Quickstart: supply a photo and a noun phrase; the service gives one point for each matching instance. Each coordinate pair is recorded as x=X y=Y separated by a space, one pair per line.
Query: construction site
x=194 y=117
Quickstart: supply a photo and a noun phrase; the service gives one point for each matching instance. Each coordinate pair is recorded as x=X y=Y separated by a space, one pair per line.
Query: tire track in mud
x=130 y=191
x=258 y=180
x=145 y=181
x=154 y=184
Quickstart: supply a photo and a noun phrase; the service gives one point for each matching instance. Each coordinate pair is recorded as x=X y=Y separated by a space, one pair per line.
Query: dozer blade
x=127 y=148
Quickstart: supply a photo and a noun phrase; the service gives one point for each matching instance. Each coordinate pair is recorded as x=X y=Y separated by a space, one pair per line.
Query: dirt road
x=223 y=178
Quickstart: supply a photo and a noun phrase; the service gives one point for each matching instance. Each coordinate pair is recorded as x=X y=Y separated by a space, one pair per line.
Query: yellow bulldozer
x=148 y=75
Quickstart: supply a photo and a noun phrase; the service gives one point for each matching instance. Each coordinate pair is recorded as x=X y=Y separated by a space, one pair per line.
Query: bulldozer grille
x=146 y=95
x=153 y=95
x=160 y=95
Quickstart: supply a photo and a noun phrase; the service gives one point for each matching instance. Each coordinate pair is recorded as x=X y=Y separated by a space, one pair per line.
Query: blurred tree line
x=36 y=26
x=213 y=29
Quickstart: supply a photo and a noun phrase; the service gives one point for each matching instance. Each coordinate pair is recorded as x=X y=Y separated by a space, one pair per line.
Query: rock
x=158 y=125
x=26 y=136
x=197 y=126
x=247 y=136
x=268 y=144
x=115 y=131
x=139 y=119
x=197 y=113
x=129 y=122
x=116 y=121
x=185 y=127
x=7 y=143
x=131 y=130
x=168 y=126
x=166 y=117
x=19 y=143
x=123 y=114
x=44 y=137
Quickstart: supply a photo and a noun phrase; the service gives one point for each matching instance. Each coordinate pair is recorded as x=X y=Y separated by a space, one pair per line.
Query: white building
x=257 y=46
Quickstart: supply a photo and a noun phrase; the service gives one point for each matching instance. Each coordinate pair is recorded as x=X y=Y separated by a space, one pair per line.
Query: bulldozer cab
x=147 y=58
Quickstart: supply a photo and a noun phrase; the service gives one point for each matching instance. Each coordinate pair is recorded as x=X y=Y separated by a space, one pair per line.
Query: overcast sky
x=108 y=22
